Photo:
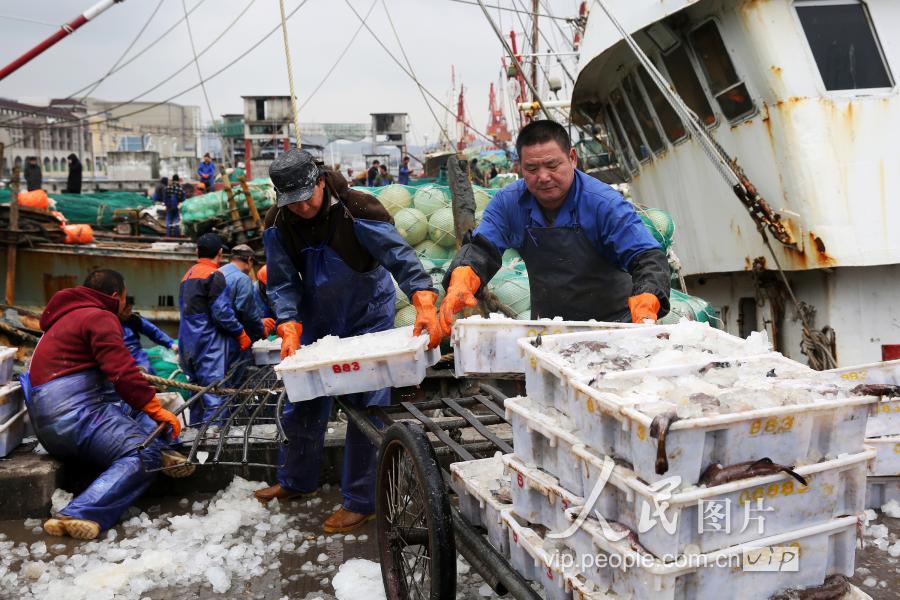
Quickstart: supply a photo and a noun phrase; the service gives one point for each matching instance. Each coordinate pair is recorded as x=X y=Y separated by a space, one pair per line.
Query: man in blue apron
x=330 y=252
x=587 y=253
x=133 y=327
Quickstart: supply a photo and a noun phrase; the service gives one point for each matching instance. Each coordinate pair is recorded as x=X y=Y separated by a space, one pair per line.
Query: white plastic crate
x=881 y=372
x=887 y=459
x=824 y=549
x=7 y=358
x=835 y=488
x=537 y=497
x=365 y=373
x=12 y=432
x=539 y=438
x=475 y=482
x=887 y=420
x=267 y=352
x=529 y=558
x=488 y=346
x=881 y=490
x=11 y=400
x=786 y=434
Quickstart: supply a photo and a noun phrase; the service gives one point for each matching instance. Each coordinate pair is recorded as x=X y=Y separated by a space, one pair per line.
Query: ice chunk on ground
x=219 y=579
x=59 y=499
x=358 y=578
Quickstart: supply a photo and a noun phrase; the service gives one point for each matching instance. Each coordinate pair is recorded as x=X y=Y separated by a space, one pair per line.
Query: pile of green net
x=215 y=204
x=688 y=307
x=96 y=209
x=165 y=362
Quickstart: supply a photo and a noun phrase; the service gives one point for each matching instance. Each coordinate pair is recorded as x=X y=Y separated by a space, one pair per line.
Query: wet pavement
x=308 y=574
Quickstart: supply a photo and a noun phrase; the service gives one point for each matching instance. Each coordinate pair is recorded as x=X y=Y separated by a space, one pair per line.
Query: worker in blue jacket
x=133 y=326
x=207 y=172
x=262 y=298
x=587 y=252
x=208 y=326
x=330 y=254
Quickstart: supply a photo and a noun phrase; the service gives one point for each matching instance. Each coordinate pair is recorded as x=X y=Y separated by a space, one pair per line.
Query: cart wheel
x=414 y=526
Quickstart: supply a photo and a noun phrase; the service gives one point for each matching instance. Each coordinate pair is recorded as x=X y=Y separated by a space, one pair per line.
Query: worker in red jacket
x=80 y=374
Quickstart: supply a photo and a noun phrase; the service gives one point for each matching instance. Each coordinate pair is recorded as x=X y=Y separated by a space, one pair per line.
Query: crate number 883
x=771 y=425
x=345 y=367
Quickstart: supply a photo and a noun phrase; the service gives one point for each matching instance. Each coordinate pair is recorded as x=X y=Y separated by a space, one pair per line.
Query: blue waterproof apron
x=80 y=417
x=570 y=279
x=336 y=300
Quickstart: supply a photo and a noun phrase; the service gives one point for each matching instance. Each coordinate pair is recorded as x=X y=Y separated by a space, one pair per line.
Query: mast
x=534 y=49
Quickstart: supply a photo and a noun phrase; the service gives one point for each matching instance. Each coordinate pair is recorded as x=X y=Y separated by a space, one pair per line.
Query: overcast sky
x=435 y=34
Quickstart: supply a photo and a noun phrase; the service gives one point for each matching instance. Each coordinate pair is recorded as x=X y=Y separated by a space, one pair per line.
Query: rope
x=161 y=382
x=290 y=70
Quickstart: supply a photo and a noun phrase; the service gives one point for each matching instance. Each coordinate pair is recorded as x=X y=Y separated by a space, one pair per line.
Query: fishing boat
x=802 y=95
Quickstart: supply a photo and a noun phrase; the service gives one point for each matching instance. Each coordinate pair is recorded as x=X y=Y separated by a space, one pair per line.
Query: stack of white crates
x=594 y=504
x=882 y=431
x=12 y=406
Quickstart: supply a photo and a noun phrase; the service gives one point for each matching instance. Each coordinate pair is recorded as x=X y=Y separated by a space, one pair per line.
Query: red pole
x=287 y=144
x=247 y=159
x=64 y=30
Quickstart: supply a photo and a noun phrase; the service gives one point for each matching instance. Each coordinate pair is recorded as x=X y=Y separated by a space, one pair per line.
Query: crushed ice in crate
x=222 y=547
x=683 y=344
x=333 y=348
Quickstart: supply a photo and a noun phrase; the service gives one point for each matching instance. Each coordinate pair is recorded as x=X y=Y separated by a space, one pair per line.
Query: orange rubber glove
x=461 y=294
x=155 y=411
x=244 y=341
x=643 y=306
x=427 y=317
x=290 y=333
x=268 y=326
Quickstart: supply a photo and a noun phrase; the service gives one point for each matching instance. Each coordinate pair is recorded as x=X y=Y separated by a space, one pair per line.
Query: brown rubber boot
x=80 y=529
x=175 y=464
x=345 y=521
x=274 y=492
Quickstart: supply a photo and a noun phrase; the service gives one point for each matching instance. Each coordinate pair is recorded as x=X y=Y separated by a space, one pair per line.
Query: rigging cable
x=290 y=70
x=410 y=75
x=77 y=122
x=419 y=85
x=112 y=69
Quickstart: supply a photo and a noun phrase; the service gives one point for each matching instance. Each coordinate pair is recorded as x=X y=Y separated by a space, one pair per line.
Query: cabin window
x=615 y=131
x=727 y=88
x=631 y=132
x=643 y=115
x=687 y=84
x=844 y=44
x=671 y=123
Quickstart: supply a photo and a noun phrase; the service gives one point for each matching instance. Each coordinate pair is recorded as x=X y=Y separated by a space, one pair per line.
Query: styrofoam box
x=398 y=368
x=266 y=352
x=881 y=490
x=824 y=549
x=7 y=358
x=887 y=460
x=615 y=427
x=11 y=399
x=529 y=558
x=488 y=346
x=474 y=482
x=835 y=488
x=12 y=432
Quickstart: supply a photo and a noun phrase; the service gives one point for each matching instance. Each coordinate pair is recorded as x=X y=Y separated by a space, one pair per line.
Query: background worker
x=79 y=375
x=206 y=172
x=330 y=252
x=404 y=171
x=133 y=326
x=587 y=253
x=372 y=173
x=73 y=180
x=243 y=300
x=174 y=198
x=384 y=177
x=34 y=177
x=208 y=324
x=262 y=299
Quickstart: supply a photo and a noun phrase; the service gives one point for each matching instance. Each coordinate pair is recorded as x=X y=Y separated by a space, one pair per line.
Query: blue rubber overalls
x=94 y=425
x=336 y=300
